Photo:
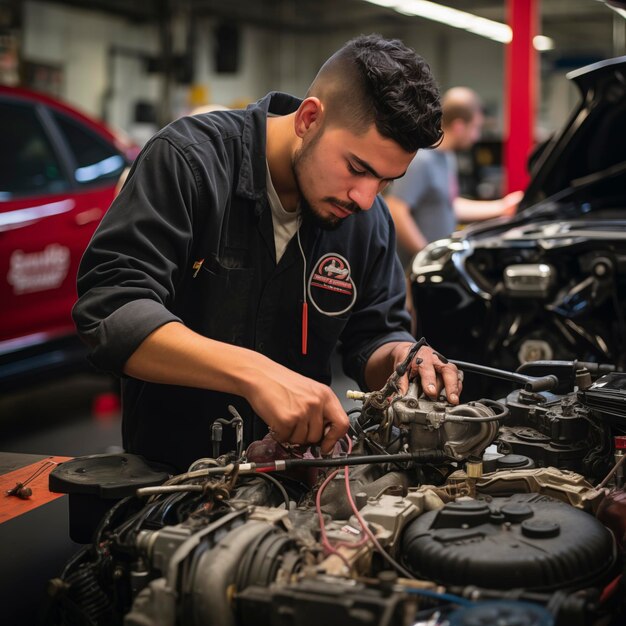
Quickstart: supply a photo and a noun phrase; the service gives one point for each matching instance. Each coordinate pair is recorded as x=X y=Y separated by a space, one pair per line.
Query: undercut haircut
x=381 y=81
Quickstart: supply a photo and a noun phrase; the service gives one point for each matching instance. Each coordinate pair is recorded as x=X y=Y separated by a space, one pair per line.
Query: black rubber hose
x=531 y=383
x=433 y=456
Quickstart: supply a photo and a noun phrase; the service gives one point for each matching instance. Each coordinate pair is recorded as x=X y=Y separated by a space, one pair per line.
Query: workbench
x=34 y=537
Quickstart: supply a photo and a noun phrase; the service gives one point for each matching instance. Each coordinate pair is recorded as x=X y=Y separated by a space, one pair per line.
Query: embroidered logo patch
x=331 y=289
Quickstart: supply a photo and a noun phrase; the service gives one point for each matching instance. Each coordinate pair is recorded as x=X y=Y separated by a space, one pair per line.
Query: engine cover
x=526 y=540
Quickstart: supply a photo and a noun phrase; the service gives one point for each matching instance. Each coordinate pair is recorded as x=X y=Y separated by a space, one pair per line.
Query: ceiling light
x=617 y=10
x=542 y=43
x=459 y=19
x=452 y=17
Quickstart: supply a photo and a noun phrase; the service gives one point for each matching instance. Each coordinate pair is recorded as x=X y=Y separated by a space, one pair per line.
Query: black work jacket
x=190 y=239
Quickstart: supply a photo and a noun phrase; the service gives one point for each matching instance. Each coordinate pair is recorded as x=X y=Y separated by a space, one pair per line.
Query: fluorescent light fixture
x=542 y=43
x=452 y=17
x=459 y=19
x=617 y=10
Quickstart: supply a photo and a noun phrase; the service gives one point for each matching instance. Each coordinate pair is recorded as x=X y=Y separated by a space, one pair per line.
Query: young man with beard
x=233 y=260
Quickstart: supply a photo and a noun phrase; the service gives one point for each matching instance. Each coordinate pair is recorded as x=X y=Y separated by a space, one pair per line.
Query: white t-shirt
x=285 y=222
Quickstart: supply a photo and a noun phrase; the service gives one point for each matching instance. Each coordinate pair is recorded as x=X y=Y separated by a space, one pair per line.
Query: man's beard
x=309 y=211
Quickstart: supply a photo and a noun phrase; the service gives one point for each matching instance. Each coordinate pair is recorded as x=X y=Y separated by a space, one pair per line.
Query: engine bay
x=508 y=512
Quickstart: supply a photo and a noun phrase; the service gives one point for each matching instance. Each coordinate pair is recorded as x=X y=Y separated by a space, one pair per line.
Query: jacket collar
x=252 y=173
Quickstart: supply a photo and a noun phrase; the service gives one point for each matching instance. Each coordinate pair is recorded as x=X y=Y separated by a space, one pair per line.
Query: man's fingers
x=451 y=383
x=460 y=377
x=436 y=372
x=292 y=430
x=424 y=368
x=403 y=384
x=315 y=430
x=283 y=432
x=333 y=434
x=322 y=421
x=336 y=426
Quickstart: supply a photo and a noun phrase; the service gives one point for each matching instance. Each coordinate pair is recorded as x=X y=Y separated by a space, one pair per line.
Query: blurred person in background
x=425 y=204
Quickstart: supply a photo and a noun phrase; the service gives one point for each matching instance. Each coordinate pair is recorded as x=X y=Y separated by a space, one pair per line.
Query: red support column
x=520 y=81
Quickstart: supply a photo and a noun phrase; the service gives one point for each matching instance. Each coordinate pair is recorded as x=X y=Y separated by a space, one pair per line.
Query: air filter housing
x=527 y=540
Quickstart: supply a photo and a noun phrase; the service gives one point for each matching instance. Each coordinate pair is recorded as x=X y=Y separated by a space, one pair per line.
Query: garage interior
x=551 y=454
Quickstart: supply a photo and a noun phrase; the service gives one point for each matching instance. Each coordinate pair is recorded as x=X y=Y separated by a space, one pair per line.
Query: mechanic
x=425 y=204
x=233 y=261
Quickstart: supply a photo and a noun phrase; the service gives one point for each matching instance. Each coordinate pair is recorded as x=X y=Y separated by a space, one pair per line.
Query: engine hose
x=574 y=608
x=86 y=592
x=431 y=456
x=504 y=411
x=530 y=383
x=421 y=457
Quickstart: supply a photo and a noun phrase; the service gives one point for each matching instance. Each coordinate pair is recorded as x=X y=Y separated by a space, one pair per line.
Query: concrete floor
x=56 y=418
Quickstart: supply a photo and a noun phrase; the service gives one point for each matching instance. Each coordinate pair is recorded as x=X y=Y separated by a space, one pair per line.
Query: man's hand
x=467 y=210
x=436 y=373
x=297 y=409
x=432 y=369
x=510 y=202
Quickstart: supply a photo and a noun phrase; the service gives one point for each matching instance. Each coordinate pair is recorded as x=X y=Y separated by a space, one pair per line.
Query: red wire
x=610 y=589
x=305 y=327
x=364 y=525
x=324 y=537
x=318 y=506
x=365 y=538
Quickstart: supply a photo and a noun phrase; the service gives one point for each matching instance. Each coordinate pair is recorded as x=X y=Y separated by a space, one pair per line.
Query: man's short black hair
x=382 y=81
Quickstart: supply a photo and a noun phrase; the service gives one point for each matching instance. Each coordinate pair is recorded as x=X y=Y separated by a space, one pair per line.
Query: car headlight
x=432 y=259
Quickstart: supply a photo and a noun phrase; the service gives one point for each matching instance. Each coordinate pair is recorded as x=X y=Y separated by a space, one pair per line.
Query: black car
x=549 y=283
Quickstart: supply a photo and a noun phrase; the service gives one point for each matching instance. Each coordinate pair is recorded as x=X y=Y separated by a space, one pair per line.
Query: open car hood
x=591 y=144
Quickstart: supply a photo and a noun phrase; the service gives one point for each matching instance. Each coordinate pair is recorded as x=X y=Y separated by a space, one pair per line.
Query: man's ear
x=309 y=116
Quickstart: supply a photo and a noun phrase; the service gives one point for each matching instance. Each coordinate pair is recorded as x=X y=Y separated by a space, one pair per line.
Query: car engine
x=508 y=512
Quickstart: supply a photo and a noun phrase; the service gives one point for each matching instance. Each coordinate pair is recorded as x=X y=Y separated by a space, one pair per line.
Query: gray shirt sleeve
x=428 y=191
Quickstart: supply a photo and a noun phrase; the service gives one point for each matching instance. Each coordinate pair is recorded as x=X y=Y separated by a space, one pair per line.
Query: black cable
x=167 y=505
x=216 y=431
x=531 y=383
x=278 y=485
x=353 y=431
x=431 y=456
x=238 y=421
x=382 y=450
x=106 y=520
x=77 y=557
x=134 y=523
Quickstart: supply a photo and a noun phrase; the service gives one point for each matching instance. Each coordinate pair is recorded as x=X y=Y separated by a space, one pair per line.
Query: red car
x=58 y=171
